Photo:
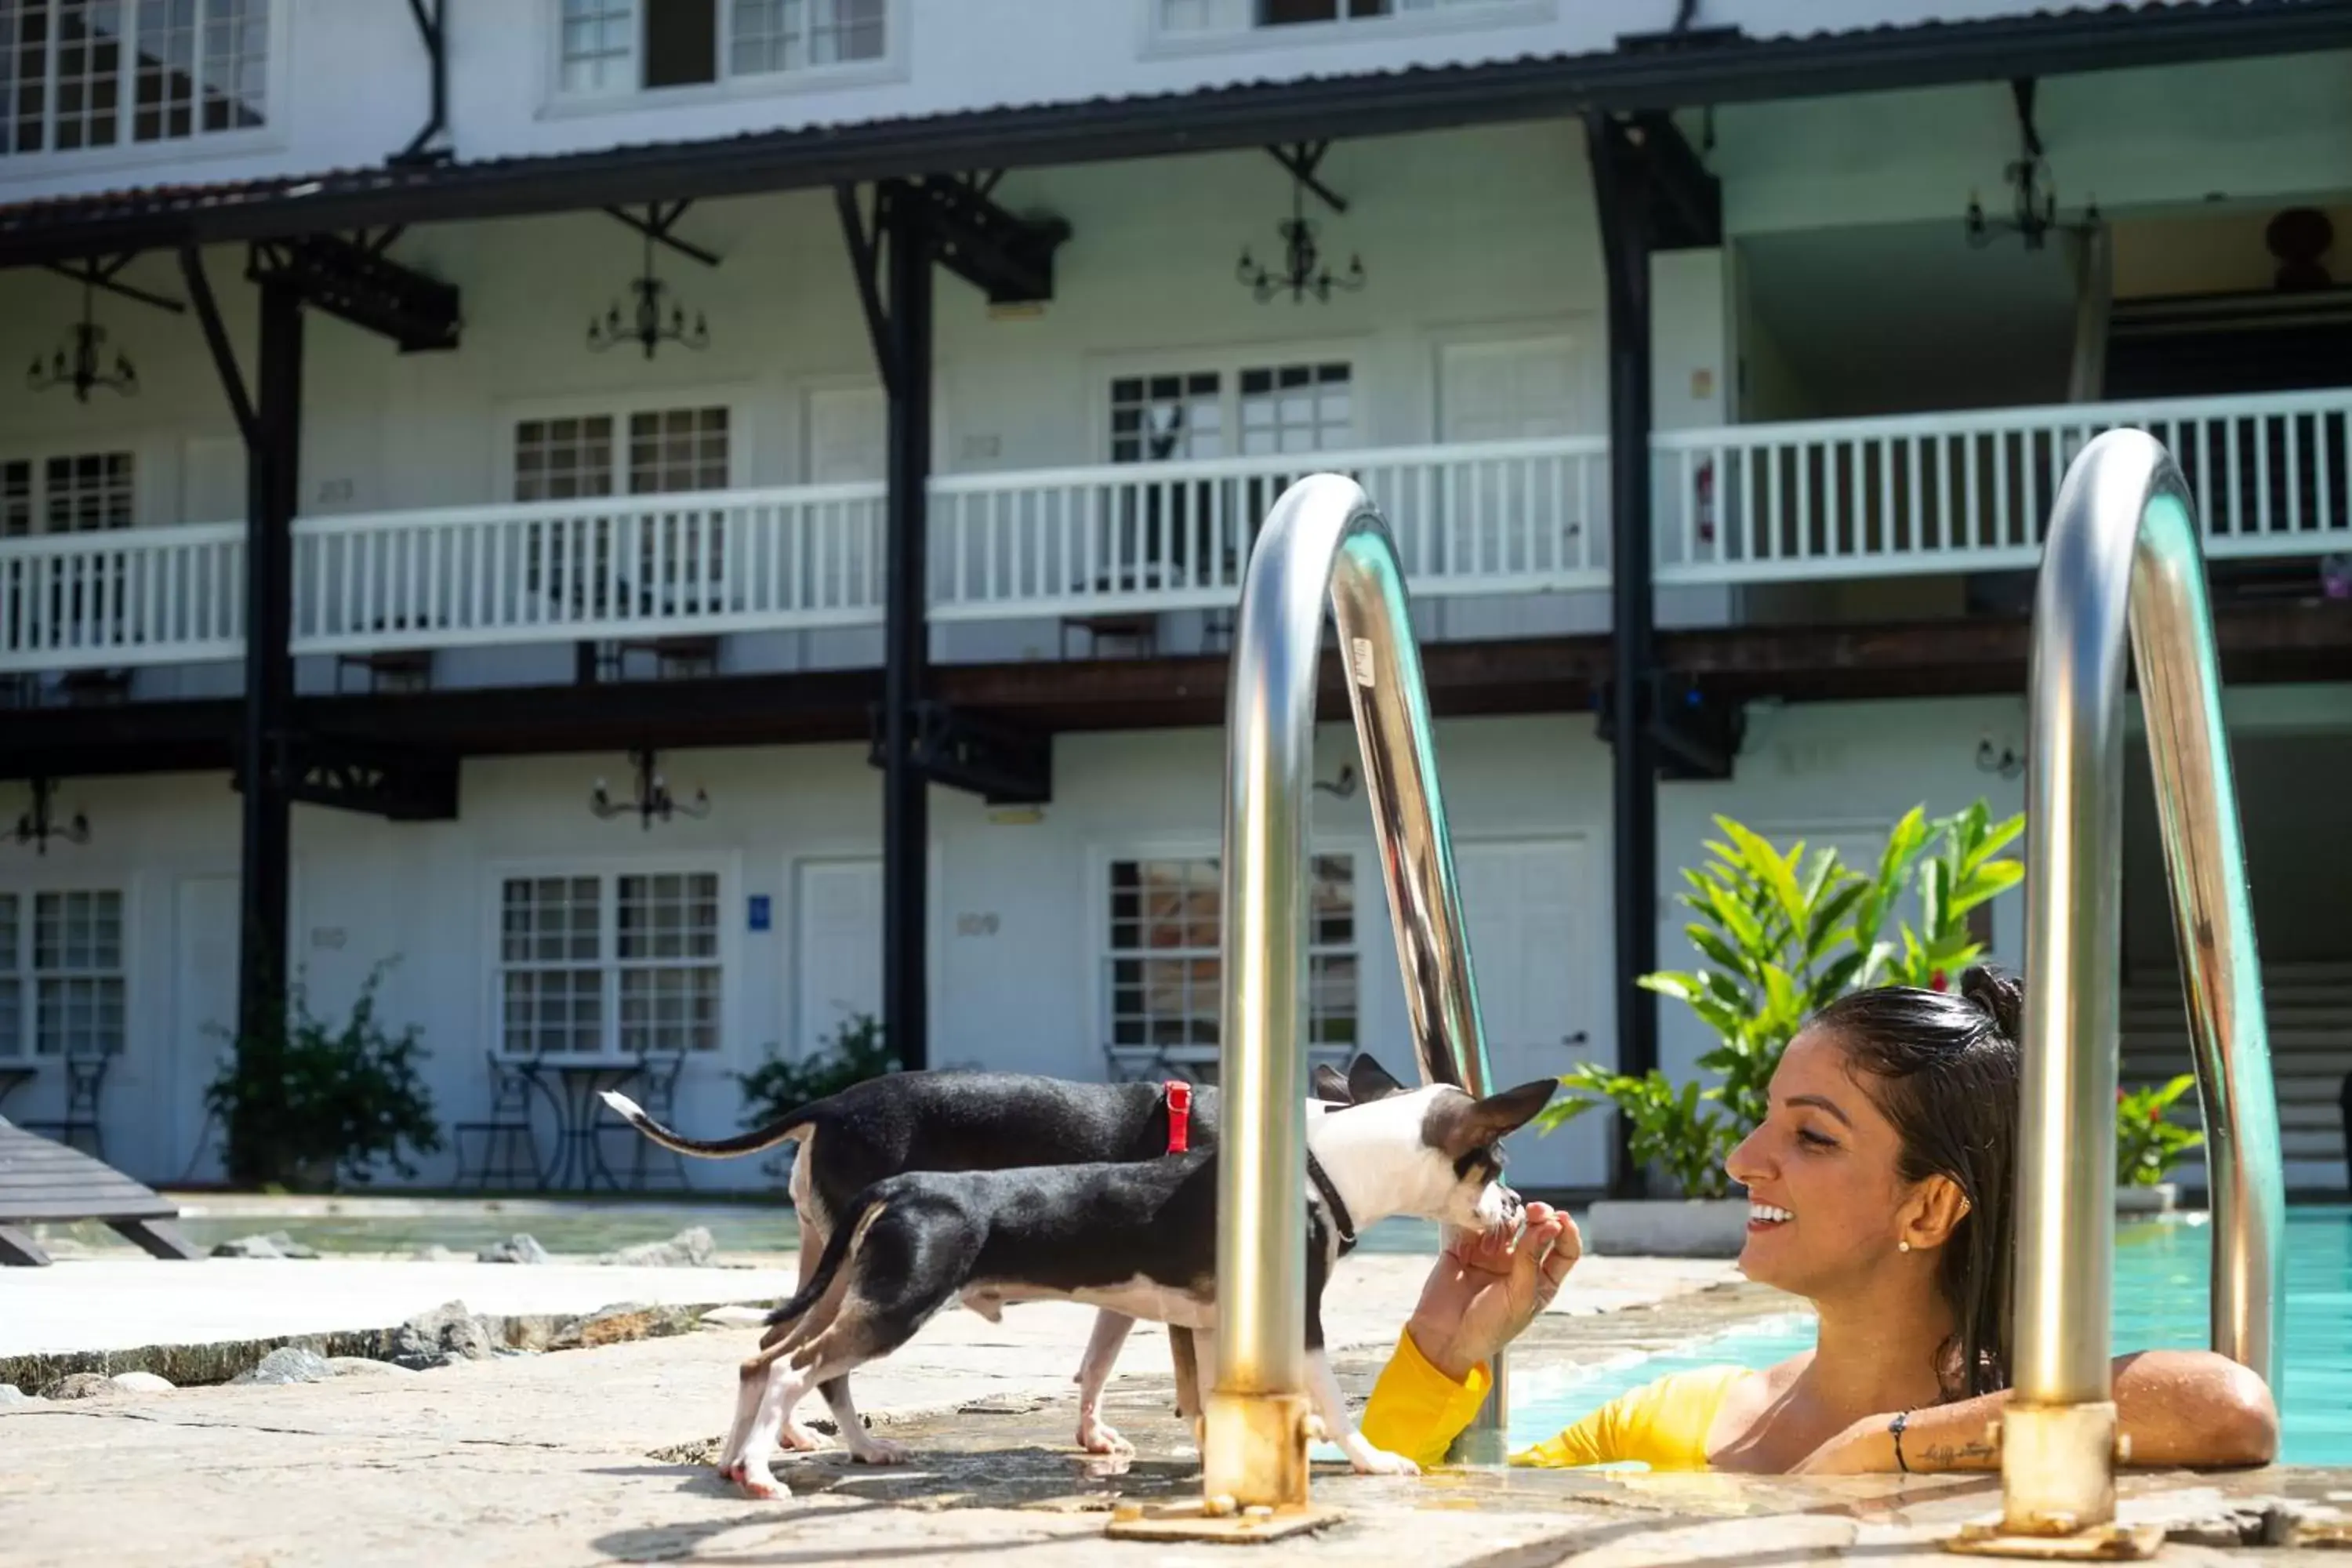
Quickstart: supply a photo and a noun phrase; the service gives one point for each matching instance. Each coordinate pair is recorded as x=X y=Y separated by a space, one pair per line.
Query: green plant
x=2148 y=1145
x=857 y=1053
x=1682 y=1132
x=301 y=1102
x=1784 y=935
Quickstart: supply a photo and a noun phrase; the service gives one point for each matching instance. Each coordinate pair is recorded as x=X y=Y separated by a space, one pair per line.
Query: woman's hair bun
x=2001 y=997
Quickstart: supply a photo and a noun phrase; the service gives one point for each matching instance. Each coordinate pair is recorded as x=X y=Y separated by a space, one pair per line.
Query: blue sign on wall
x=759 y=911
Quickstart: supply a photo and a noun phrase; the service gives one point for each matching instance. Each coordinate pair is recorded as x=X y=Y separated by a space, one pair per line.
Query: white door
x=212 y=479
x=848 y=435
x=203 y=1004
x=1529 y=907
x=1514 y=390
x=1514 y=521
x=838 y=915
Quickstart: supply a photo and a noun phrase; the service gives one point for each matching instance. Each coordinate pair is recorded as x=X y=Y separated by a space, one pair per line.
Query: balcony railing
x=155 y=596
x=1972 y=491
x=720 y=560
x=1814 y=502
x=1522 y=517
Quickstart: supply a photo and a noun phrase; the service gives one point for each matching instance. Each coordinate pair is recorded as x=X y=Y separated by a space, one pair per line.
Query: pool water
x=2160 y=1298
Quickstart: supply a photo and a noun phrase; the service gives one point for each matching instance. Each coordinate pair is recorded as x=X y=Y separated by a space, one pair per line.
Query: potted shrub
x=1781 y=935
x=306 y=1106
x=2148 y=1145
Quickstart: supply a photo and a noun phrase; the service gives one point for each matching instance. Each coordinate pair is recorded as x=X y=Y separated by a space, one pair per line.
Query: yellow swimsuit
x=1417 y=1410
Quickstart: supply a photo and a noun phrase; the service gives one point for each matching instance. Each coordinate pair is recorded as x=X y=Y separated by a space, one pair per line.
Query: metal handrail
x=1323 y=539
x=2123 y=576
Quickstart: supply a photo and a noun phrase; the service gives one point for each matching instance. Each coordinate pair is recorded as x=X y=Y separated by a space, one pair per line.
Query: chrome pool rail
x=2122 y=577
x=1323 y=541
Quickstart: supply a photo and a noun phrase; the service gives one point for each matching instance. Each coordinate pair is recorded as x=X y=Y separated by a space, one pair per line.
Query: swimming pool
x=2159 y=1302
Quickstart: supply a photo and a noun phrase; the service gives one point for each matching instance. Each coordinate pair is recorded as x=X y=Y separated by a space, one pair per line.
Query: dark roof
x=1656 y=73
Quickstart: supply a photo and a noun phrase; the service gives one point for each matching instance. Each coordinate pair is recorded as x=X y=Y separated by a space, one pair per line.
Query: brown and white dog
x=1135 y=1237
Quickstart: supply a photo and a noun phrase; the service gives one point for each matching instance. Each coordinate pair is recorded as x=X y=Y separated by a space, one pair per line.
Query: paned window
x=81 y=74
x=622 y=46
x=1163 y=963
x=61 y=974
x=620 y=964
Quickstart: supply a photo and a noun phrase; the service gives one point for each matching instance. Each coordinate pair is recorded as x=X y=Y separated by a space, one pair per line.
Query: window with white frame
x=655 y=451
x=1198 y=17
x=1248 y=411
x=83 y=74
x=663 y=451
x=622 y=963
x=61 y=974
x=77 y=493
x=607 y=47
x=1161 y=962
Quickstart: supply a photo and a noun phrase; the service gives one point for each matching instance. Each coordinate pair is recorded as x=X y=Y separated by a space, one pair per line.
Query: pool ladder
x=2121 y=571
x=2122 y=576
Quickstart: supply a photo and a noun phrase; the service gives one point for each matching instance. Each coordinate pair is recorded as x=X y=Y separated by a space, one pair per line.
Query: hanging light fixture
x=653 y=798
x=1303 y=271
x=645 y=327
x=34 y=828
x=2033 y=197
x=79 y=362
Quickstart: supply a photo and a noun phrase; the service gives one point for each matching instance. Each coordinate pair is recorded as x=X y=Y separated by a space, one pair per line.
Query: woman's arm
x=2191 y=1408
x=1482 y=1292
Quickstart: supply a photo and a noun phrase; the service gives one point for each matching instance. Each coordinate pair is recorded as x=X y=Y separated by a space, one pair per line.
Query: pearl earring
x=1901 y=1247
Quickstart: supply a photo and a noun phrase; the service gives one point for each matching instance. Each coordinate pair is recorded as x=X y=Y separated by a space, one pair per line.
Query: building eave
x=1656 y=75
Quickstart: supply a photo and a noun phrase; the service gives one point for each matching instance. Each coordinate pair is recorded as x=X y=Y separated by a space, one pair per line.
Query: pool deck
x=597 y=1456
x=123 y=1304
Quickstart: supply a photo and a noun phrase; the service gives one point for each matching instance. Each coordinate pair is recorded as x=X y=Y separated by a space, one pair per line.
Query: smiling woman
x=1880 y=1186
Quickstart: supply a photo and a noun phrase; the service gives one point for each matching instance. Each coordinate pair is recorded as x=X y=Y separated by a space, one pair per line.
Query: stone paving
x=106 y=1304
x=592 y=1457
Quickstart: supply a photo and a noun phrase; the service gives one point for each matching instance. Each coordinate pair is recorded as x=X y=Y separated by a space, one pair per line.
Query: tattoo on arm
x=1953 y=1456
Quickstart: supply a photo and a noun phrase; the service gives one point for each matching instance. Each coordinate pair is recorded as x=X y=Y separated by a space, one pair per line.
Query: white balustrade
x=704 y=562
x=1519 y=517
x=1971 y=492
x=122 y=597
x=1806 y=501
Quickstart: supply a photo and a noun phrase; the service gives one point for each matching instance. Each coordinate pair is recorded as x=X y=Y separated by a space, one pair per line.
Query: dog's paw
x=1095 y=1436
x=761 y=1485
x=800 y=1439
x=1371 y=1461
x=881 y=1451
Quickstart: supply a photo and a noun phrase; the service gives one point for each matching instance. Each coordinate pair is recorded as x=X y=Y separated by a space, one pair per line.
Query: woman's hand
x=1486 y=1288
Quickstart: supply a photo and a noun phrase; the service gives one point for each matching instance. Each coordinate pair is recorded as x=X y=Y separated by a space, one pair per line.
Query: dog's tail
x=785 y=1128
x=864 y=1209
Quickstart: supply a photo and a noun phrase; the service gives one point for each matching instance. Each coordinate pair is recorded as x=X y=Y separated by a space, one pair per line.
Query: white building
x=514 y=560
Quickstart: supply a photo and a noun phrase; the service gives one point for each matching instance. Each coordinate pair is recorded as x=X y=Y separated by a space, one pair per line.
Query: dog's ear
x=1458 y=1125
x=1367 y=1081
x=1331 y=1085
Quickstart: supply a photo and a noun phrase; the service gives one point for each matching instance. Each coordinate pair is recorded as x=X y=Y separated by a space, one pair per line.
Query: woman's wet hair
x=1943 y=1067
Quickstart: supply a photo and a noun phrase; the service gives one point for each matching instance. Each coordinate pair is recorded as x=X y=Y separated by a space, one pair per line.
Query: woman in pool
x=1880 y=1190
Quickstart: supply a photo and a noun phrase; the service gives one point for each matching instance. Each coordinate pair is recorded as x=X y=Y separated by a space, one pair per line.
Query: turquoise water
x=2160 y=1301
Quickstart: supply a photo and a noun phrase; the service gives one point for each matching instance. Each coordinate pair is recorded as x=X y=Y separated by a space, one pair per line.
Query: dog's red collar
x=1179 y=1115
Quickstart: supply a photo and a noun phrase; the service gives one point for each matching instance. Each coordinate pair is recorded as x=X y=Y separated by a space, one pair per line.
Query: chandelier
x=81 y=362
x=644 y=325
x=653 y=798
x=1303 y=271
x=34 y=828
x=2034 y=197
x=2033 y=208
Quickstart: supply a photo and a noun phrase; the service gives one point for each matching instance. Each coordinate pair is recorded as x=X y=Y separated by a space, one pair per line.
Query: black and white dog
x=962 y=1121
x=1137 y=1238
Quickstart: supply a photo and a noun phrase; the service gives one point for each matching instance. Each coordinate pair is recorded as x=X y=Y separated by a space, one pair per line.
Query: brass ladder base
x=2106 y=1543
x=1194 y=1520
